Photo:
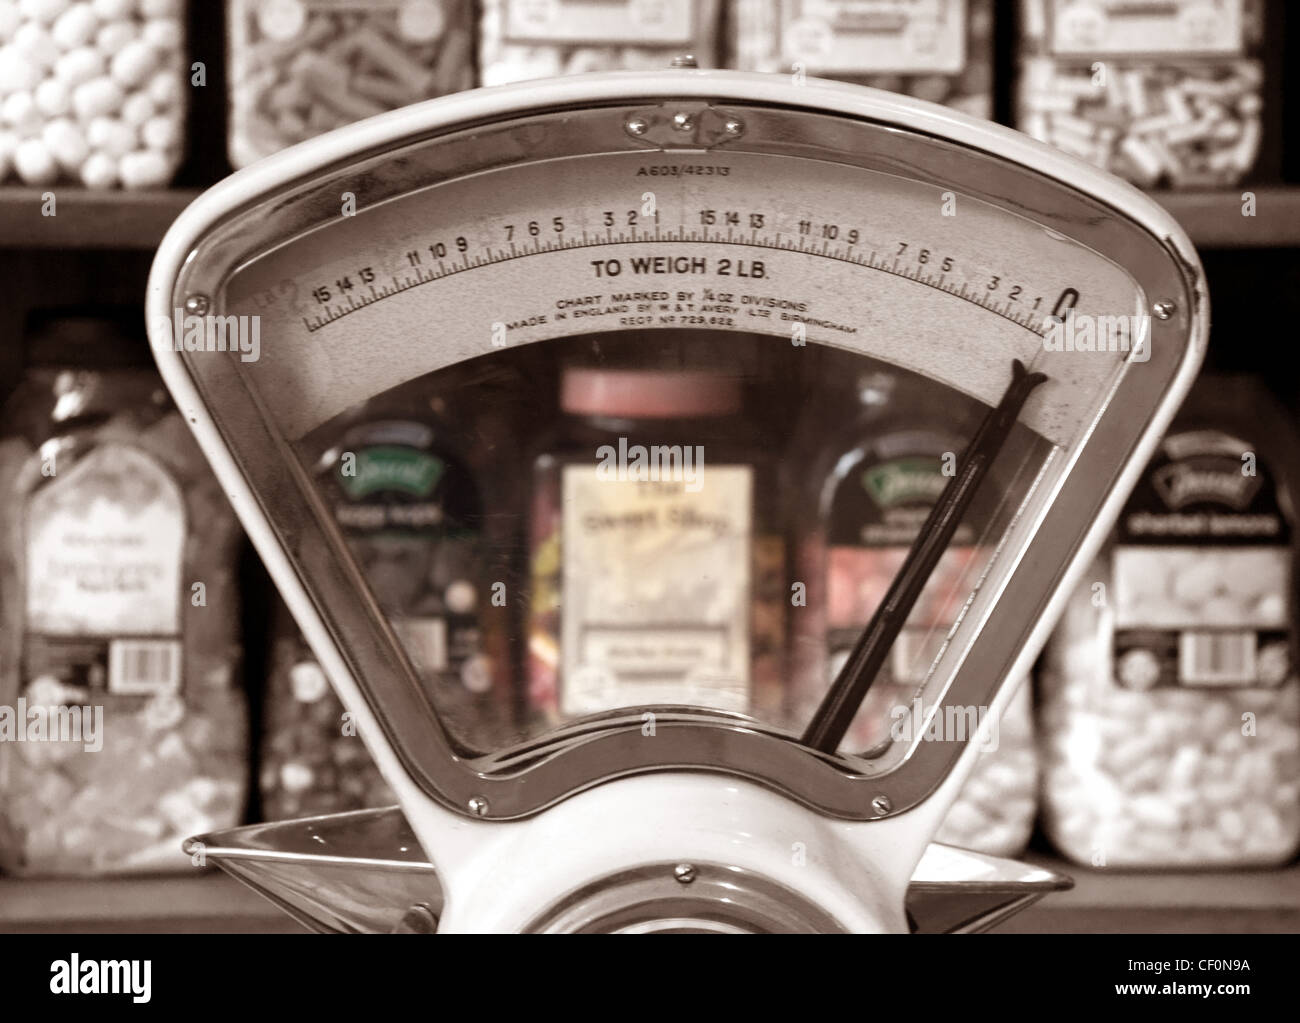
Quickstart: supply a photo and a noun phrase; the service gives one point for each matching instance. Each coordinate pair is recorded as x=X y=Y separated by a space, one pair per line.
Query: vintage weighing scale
x=764 y=228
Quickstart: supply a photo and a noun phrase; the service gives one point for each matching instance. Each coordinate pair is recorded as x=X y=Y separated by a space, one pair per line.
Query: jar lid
x=648 y=394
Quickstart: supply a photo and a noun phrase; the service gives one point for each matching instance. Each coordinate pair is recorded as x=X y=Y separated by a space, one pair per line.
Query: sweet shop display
x=1170 y=701
x=92 y=92
x=1167 y=95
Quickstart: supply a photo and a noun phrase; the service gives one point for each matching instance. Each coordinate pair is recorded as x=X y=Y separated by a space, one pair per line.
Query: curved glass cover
x=597 y=455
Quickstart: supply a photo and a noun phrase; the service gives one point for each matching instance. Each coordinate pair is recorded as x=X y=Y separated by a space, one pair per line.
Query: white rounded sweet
x=110 y=10
x=34 y=163
x=17 y=71
x=36 y=44
x=79 y=65
x=99 y=171
x=20 y=113
x=76 y=27
x=112 y=137
x=44 y=11
x=113 y=36
x=163 y=34
x=160 y=8
x=133 y=64
x=163 y=131
x=144 y=169
x=10 y=18
x=66 y=143
x=164 y=90
x=97 y=97
x=53 y=97
x=136 y=109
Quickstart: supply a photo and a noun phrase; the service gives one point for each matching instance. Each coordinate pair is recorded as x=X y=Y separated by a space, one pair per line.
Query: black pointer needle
x=841 y=703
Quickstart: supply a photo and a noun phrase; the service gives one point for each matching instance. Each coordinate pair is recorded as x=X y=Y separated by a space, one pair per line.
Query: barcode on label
x=144 y=666
x=1216 y=658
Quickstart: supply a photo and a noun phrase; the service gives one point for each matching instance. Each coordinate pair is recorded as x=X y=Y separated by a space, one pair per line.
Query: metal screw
x=198 y=305
x=683 y=121
x=684 y=872
x=733 y=126
x=1164 y=310
x=684 y=60
x=478 y=806
x=637 y=126
x=881 y=805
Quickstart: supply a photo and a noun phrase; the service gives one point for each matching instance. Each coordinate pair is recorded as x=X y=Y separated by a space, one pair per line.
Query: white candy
x=110 y=10
x=160 y=8
x=133 y=64
x=163 y=34
x=44 y=10
x=111 y=137
x=97 y=97
x=34 y=163
x=53 y=98
x=75 y=27
x=143 y=169
x=164 y=90
x=161 y=132
x=17 y=71
x=20 y=113
x=113 y=36
x=66 y=143
x=137 y=109
x=10 y=18
x=79 y=65
x=37 y=45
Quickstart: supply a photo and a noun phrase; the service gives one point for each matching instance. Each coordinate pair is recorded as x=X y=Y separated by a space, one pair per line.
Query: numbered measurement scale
x=638 y=302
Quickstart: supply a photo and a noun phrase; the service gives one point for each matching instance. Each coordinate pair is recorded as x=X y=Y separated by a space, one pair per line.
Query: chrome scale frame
x=1003 y=618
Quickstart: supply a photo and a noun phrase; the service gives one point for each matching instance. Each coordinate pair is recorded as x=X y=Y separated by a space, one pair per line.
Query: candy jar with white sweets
x=936 y=50
x=92 y=91
x=302 y=67
x=521 y=39
x=1165 y=95
x=119 y=612
x=1170 y=711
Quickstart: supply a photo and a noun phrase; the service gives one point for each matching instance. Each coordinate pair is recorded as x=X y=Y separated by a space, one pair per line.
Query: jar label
x=105 y=546
x=656 y=590
x=1128 y=27
x=599 y=22
x=875 y=36
x=1202 y=573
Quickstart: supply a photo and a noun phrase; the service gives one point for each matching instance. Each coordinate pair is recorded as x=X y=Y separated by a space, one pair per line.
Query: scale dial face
x=814 y=295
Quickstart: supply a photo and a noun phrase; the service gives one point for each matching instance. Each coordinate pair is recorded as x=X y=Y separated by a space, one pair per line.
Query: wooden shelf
x=1214 y=220
x=138 y=220
x=208 y=902
x=1215 y=902
x=88 y=220
x=1225 y=902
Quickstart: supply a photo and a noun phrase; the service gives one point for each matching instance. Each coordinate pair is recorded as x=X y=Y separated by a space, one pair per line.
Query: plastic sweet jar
x=1170 y=707
x=1164 y=95
x=298 y=68
x=654 y=476
x=93 y=92
x=124 y=724
x=312 y=759
x=936 y=50
x=871 y=489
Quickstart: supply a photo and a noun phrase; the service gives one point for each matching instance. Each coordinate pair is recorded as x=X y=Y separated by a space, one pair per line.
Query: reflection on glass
x=637 y=521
